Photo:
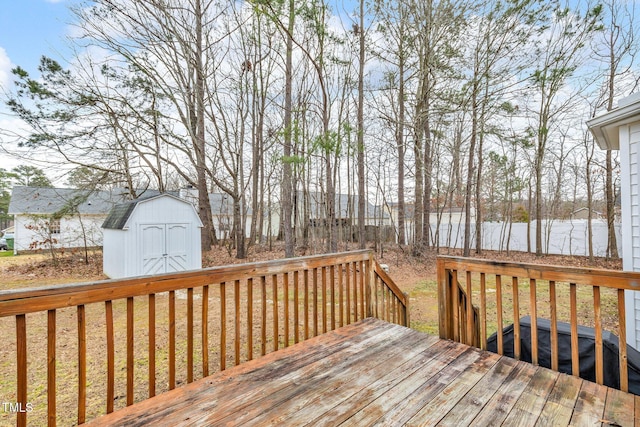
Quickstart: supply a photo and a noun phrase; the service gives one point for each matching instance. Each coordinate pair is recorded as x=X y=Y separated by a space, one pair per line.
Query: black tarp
x=586 y=345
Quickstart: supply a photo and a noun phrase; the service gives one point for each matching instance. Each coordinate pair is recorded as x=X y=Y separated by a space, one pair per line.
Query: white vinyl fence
x=558 y=237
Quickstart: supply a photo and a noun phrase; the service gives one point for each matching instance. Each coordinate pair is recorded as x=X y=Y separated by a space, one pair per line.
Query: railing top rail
x=586 y=276
x=390 y=283
x=20 y=301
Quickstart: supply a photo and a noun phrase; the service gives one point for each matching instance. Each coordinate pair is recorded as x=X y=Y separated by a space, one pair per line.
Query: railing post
x=407 y=318
x=444 y=308
x=370 y=281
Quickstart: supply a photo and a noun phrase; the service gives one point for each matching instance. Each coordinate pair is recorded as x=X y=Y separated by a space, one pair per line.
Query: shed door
x=164 y=248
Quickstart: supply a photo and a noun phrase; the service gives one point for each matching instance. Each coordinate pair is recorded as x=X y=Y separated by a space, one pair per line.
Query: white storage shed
x=619 y=129
x=155 y=235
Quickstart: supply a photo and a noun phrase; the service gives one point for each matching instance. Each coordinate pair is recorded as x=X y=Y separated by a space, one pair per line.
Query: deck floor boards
x=375 y=373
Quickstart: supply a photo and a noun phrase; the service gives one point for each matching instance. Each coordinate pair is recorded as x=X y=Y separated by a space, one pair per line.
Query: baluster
x=324 y=300
x=21 y=355
x=516 y=318
x=469 y=308
x=355 y=291
x=332 y=299
x=315 y=302
x=554 y=325
x=348 y=292
x=363 y=299
x=236 y=343
x=296 y=308
x=394 y=301
x=205 y=330
x=82 y=364
x=276 y=331
x=306 y=304
x=533 y=307
x=172 y=340
x=130 y=351
x=598 y=326
x=378 y=288
x=483 y=311
x=152 y=344
x=499 y=314
x=340 y=298
x=111 y=355
x=387 y=304
x=263 y=343
x=223 y=326
x=250 y=319
x=51 y=367
x=189 y=335
x=575 y=354
x=456 y=305
x=285 y=300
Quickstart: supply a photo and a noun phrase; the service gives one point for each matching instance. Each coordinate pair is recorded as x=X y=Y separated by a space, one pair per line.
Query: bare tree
x=560 y=52
x=172 y=46
x=616 y=49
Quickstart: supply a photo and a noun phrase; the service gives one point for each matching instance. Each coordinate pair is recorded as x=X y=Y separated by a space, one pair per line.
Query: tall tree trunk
x=239 y=228
x=207 y=233
x=402 y=240
x=418 y=206
x=361 y=187
x=286 y=167
x=428 y=181
x=478 y=201
x=470 y=172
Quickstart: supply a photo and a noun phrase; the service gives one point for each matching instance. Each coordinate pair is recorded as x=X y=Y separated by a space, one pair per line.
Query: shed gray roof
x=120 y=213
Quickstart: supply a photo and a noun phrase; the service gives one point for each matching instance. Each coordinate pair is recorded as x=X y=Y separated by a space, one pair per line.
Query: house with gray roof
x=60 y=217
x=67 y=217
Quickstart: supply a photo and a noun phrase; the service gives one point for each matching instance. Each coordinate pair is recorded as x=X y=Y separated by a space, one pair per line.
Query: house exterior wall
x=31 y=232
x=630 y=186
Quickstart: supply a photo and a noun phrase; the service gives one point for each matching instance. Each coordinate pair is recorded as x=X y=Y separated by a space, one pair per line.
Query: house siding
x=30 y=232
x=630 y=182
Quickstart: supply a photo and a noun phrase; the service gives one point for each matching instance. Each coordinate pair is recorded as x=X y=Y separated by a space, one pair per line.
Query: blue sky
x=30 y=29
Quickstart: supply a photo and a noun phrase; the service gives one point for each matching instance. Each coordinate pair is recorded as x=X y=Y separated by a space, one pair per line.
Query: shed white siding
x=114 y=258
x=161 y=235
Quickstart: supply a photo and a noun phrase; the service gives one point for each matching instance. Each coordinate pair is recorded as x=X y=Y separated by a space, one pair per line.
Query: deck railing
x=100 y=346
x=502 y=292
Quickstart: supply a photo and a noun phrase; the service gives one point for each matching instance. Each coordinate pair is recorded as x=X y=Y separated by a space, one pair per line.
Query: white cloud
x=5 y=69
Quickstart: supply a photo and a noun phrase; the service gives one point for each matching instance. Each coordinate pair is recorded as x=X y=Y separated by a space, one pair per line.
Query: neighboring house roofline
x=49 y=201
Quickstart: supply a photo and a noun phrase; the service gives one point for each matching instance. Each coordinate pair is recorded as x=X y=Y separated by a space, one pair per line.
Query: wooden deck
x=373 y=372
